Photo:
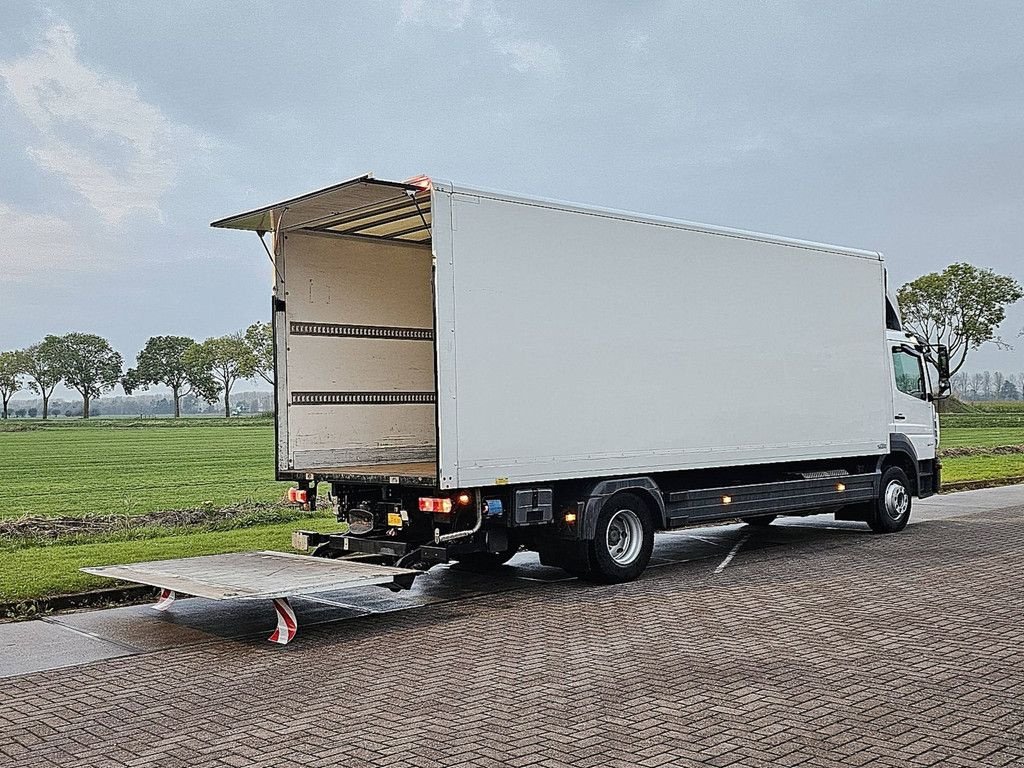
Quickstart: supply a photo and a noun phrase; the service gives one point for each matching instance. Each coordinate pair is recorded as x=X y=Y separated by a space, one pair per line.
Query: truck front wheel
x=891 y=511
x=623 y=541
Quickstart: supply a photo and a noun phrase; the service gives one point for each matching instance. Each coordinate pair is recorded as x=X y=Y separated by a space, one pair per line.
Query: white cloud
x=96 y=132
x=448 y=14
x=35 y=242
x=502 y=31
x=529 y=55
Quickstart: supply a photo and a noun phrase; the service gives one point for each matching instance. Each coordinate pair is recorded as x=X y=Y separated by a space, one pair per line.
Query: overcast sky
x=128 y=127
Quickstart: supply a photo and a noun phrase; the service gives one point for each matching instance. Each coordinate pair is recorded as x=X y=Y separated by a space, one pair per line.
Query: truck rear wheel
x=891 y=510
x=623 y=541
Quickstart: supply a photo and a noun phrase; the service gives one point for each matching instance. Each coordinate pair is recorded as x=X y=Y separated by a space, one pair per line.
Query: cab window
x=908 y=372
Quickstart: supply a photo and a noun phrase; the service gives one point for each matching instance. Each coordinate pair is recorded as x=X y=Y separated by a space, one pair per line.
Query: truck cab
x=919 y=377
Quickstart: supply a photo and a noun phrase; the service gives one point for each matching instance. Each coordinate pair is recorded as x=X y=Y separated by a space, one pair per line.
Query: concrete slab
x=32 y=646
x=138 y=626
x=968 y=502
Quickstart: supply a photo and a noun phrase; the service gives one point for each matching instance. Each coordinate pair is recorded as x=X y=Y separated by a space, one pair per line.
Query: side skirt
x=778 y=498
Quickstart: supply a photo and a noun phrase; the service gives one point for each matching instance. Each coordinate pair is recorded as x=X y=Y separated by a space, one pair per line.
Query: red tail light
x=439 y=506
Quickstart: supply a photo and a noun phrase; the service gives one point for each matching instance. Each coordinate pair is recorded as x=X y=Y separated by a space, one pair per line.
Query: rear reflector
x=441 y=506
x=297 y=496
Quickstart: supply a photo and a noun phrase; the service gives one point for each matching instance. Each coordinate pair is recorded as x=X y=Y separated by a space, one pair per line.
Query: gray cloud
x=890 y=126
x=94 y=131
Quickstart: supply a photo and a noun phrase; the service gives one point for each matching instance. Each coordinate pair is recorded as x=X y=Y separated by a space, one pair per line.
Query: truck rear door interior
x=354 y=329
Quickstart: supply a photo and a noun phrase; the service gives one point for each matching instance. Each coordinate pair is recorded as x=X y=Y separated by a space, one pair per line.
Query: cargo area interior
x=355 y=355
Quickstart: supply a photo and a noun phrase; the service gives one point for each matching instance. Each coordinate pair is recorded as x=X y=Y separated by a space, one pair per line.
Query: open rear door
x=354 y=331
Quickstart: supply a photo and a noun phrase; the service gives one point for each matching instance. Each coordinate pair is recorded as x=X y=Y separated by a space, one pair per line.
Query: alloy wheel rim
x=897 y=500
x=624 y=537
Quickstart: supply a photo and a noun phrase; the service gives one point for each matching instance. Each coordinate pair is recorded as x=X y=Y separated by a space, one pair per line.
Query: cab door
x=913 y=413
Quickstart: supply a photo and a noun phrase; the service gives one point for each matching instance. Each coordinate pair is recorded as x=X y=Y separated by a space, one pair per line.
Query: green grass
x=33 y=572
x=958 y=437
x=999 y=406
x=984 y=467
x=134 y=466
x=978 y=420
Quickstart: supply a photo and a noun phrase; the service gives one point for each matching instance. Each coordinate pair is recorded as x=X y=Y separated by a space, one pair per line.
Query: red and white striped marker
x=165 y=601
x=287 y=624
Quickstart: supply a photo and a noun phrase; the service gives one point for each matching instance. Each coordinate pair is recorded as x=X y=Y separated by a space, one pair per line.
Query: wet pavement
x=89 y=635
x=808 y=643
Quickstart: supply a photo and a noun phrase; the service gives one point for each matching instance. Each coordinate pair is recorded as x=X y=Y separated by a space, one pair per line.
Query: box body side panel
x=584 y=345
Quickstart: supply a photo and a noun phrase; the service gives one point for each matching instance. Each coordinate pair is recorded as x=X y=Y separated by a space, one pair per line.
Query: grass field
x=132 y=467
x=983 y=467
x=987 y=425
x=31 y=572
x=135 y=467
x=981 y=436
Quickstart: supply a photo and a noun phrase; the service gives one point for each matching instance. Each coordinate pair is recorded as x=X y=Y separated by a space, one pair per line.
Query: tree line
x=142 y=405
x=961 y=307
x=988 y=385
x=88 y=364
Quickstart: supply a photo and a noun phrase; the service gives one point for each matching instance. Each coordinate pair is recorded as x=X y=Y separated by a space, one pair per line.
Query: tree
x=42 y=366
x=260 y=338
x=976 y=383
x=163 y=361
x=961 y=307
x=227 y=358
x=1009 y=391
x=89 y=364
x=12 y=365
x=961 y=385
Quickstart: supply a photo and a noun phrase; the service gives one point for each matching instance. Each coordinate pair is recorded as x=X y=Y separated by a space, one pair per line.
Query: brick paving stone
x=826 y=648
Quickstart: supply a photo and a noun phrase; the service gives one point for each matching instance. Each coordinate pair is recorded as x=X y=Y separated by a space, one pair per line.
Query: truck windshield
x=908 y=372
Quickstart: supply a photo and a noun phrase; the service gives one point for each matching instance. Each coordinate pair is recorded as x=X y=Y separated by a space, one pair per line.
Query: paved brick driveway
x=814 y=647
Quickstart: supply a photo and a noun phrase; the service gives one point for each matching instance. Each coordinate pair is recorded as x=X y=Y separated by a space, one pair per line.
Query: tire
x=759 y=522
x=891 y=510
x=623 y=541
x=485 y=562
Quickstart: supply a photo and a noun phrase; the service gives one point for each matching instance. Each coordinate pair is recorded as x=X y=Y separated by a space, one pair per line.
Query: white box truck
x=473 y=372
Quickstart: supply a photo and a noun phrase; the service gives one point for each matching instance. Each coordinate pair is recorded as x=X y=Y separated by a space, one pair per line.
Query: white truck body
x=473 y=371
x=578 y=342
x=573 y=342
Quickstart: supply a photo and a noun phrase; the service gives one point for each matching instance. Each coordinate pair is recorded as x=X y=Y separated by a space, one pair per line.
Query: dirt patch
x=980 y=450
x=43 y=529
x=112 y=597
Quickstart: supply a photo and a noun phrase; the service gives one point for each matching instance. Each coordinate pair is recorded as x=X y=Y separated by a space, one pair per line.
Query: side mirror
x=941 y=363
